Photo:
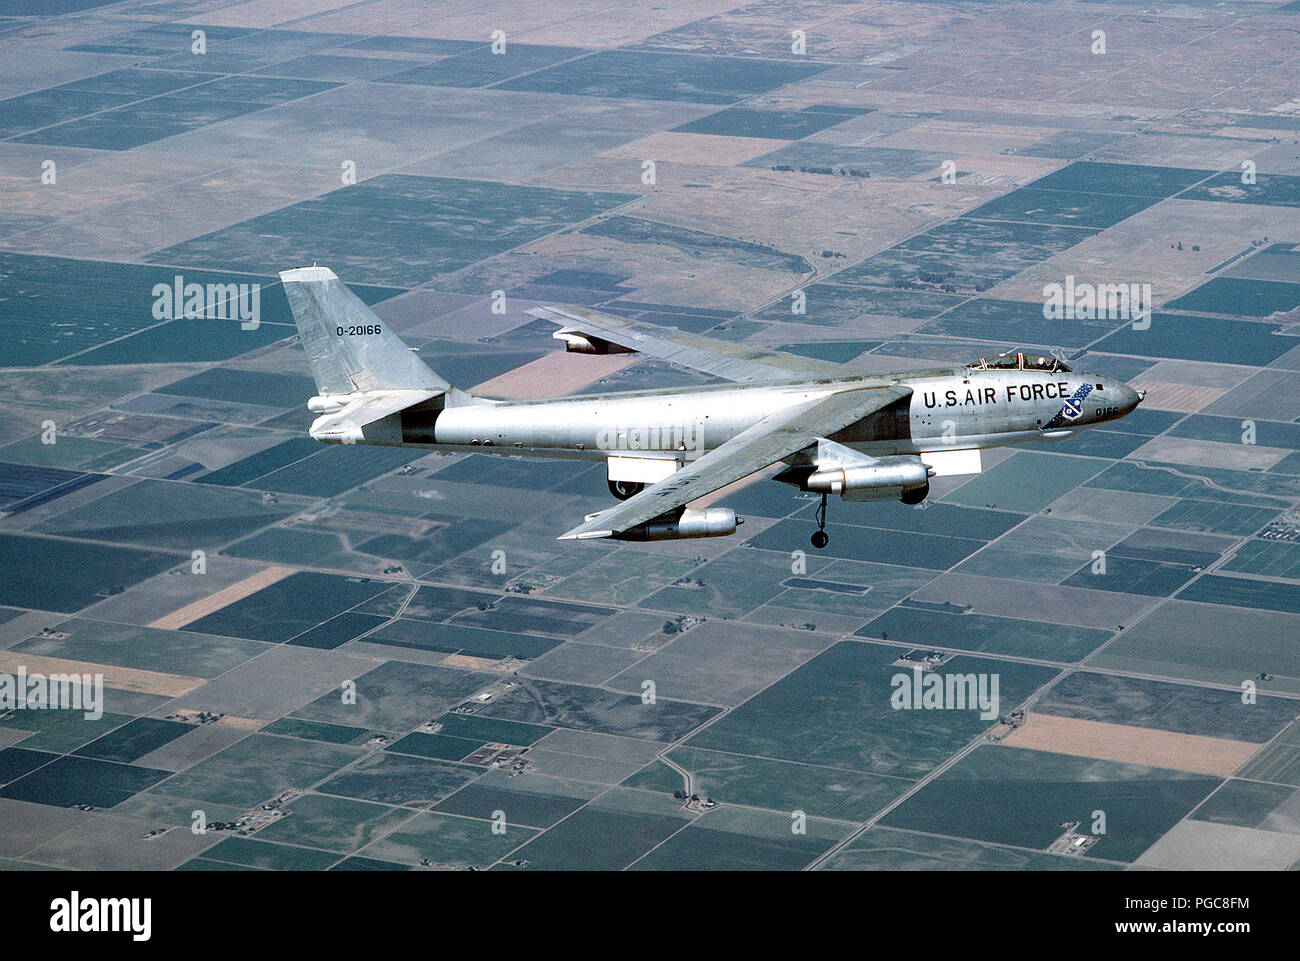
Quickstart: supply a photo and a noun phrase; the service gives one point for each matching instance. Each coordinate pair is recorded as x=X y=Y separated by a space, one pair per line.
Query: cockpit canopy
x=1020 y=360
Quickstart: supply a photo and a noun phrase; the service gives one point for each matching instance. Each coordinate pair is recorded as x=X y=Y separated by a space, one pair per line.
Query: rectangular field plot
x=245 y=387
x=964 y=255
x=536 y=616
x=258 y=768
x=1023 y=797
x=607 y=834
x=1071 y=208
x=420 y=555
x=593 y=709
x=134 y=124
x=1164 y=706
x=1027 y=480
x=68 y=781
x=733 y=839
x=903 y=548
x=1242 y=298
x=481 y=66
x=136 y=82
x=926 y=627
x=1132 y=576
x=52 y=732
x=1014 y=322
x=87 y=572
x=339 y=824
x=770 y=124
x=530 y=799
x=1217 y=517
x=337 y=631
x=459 y=639
x=1212 y=339
x=665 y=76
x=45 y=108
x=182 y=653
x=836 y=304
x=184 y=341
x=1129 y=180
x=761 y=782
x=247 y=853
x=134 y=740
x=812 y=157
x=835 y=711
x=448 y=843
x=886 y=849
x=335 y=469
x=23 y=487
x=97 y=301
x=397 y=697
x=1229 y=430
x=398 y=229
x=1244 y=592
x=1248 y=804
x=166 y=515
x=1275 y=189
x=400 y=779
x=1279 y=763
x=1186 y=641
x=1269 y=558
x=289 y=607
x=257 y=465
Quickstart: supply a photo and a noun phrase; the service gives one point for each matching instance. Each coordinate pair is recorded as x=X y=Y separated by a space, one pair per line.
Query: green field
x=835 y=711
x=1012 y=796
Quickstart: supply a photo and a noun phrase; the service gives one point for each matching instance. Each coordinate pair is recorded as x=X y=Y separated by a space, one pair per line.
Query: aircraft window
x=1042 y=362
x=1004 y=362
x=1017 y=360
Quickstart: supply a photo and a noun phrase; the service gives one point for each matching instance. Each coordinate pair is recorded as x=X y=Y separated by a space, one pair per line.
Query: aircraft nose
x=1130 y=398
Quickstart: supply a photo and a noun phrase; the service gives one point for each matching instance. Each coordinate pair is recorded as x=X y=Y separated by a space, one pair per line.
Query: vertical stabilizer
x=349 y=349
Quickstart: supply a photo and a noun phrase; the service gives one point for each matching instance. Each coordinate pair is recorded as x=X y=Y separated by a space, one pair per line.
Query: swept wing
x=773 y=438
x=739 y=363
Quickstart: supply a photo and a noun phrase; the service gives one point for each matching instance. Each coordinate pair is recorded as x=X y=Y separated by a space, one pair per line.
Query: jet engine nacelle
x=576 y=343
x=328 y=403
x=887 y=477
x=711 y=522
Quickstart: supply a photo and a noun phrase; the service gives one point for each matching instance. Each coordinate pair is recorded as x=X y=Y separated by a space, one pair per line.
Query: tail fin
x=348 y=348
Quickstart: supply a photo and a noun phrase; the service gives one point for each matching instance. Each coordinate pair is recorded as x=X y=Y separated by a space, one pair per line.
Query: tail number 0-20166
x=361 y=330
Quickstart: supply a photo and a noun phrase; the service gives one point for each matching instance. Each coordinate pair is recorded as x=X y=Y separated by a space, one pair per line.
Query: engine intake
x=711 y=522
x=576 y=343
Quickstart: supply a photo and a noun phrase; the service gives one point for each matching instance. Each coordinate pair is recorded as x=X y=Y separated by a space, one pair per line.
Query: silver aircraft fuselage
x=949 y=408
x=827 y=428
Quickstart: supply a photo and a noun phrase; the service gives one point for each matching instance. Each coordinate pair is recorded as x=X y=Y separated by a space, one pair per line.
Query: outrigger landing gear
x=819 y=538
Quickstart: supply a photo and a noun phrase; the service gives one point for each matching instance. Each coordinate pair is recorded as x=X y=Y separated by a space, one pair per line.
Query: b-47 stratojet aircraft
x=833 y=429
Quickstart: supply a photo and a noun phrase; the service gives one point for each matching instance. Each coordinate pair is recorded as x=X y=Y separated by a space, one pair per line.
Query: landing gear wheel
x=819 y=539
x=625 y=489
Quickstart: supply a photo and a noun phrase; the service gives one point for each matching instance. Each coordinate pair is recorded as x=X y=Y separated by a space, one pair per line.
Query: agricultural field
x=380 y=657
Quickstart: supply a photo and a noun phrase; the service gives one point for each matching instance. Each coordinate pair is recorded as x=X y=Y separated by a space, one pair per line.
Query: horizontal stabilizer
x=348 y=425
